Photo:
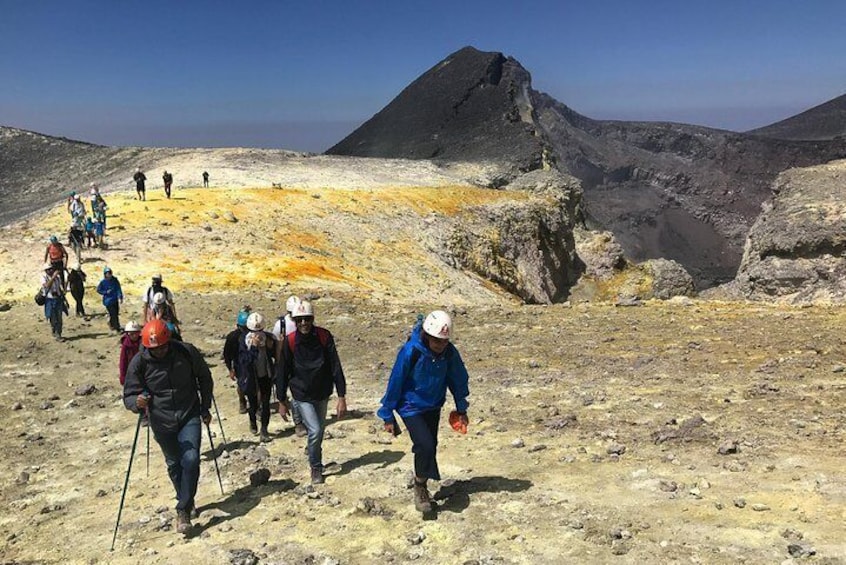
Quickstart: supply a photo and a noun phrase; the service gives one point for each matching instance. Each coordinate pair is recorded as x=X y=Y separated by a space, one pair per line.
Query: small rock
x=619 y=547
x=704 y=484
x=47 y=405
x=615 y=449
x=518 y=442
x=538 y=447
x=727 y=447
x=5 y=306
x=243 y=557
x=758 y=507
x=23 y=478
x=101 y=493
x=230 y=217
x=740 y=502
x=85 y=390
x=797 y=550
x=791 y=534
x=838 y=368
x=668 y=486
x=417 y=538
x=259 y=477
x=17 y=406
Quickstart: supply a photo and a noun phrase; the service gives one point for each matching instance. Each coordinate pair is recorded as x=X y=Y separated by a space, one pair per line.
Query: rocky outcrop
x=525 y=247
x=796 y=251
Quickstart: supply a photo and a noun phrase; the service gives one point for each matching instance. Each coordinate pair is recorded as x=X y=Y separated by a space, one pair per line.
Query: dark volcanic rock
x=826 y=121
x=472 y=106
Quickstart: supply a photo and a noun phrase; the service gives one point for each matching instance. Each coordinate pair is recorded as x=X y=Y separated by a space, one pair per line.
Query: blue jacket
x=422 y=387
x=110 y=289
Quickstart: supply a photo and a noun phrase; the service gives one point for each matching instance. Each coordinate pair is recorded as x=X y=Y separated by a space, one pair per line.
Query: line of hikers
x=140 y=180
x=169 y=381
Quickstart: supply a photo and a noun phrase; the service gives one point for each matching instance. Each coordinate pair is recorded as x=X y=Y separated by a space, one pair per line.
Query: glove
x=458 y=422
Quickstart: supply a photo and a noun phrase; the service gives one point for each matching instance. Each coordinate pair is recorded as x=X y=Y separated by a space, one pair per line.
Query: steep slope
x=826 y=121
x=472 y=106
x=676 y=191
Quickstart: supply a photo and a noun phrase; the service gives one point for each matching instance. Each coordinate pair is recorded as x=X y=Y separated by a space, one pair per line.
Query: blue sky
x=301 y=75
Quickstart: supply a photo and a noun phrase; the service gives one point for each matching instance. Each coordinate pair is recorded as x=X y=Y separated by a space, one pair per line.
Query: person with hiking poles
x=148 y=311
x=112 y=294
x=57 y=256
x=255 y=371
x=230 y=352
x=426 y=367
x=285 y=325
x=54 y=305
x=172 y=381
x=310 y=367
x=140 y=188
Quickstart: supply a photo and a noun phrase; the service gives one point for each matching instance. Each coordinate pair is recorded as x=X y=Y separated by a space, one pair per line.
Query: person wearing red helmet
x=164 y=379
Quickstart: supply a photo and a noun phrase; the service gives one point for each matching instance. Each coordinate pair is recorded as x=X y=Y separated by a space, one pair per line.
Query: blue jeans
x=182 y=455
x=314 y=419
x=53 y=312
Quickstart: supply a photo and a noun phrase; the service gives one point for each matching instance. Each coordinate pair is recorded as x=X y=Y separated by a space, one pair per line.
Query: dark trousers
x=423 y=429
x=259 y=395
x=77 y=296
x=53 y=312
x=114 y=311
x=182 y=455
x=167 y=189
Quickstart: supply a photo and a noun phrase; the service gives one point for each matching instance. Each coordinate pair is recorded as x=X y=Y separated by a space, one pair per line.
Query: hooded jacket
x=420 y=379
x=111 y=291
x=128 y=350
x=311 y=369
x=173 y=383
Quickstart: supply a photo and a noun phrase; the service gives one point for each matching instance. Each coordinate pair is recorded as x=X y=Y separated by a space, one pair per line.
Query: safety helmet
x=158 y=298
x=155 y=334
x=132 y=326
x=242 y=318
x=291 y=303
x=107 y=270
x=54 y=239
x=438 y=324
x=76 y=197
x=302 y=309
x=255 y=322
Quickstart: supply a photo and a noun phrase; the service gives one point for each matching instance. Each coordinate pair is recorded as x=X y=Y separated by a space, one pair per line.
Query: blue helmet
x=242 y=318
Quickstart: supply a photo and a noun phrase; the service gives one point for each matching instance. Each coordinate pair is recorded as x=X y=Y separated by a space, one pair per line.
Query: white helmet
x=291 y=303
x=132 y=327
x=302 y=309
x=159 y=298
x=255 y=322
x=438 y=324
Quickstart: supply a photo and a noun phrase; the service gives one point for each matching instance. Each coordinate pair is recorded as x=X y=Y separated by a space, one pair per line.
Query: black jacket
x=310 y=370
x=173 y=383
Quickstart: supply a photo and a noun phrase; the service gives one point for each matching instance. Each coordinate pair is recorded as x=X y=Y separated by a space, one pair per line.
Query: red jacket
x=128 y=349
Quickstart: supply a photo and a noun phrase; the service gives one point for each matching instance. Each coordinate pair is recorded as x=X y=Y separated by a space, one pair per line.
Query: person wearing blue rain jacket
x=426 y=367
x=109 y=287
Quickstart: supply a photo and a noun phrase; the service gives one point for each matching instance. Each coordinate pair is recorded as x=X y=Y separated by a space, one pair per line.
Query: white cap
x=132 y=326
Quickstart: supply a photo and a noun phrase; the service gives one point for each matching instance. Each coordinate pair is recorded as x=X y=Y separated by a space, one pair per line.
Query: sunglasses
x=303 y=320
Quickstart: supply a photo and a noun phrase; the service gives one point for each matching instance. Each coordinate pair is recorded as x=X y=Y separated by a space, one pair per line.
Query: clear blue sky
x=301 y=75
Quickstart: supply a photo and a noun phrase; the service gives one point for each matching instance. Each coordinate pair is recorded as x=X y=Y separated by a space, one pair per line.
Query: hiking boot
x=195 y=512
x=254 y=427
x=242 y=405
x=183 y=521
x=300 y=430
x=317 y=476
x=422 y=500
x=264 y=436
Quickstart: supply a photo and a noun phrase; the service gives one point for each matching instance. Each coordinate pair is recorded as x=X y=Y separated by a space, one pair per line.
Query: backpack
x=322 y=336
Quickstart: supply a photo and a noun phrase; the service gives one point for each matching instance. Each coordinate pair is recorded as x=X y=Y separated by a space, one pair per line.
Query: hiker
x=255 y=371
x=90 y=237
x=130 y=344
x=147 y=313
x=172 y=381
x=54 y=305
x=140 y=179
x=310 y=366
x=285 y=325
x=164 y=311
x=168 y=181
x=57 y=256
x=109 y=287
x=76 y=284
x=71 y=194
x=100 y=233
x=230 y=353
x=426 y=366
x=98 y=206
x=205 y=179
x=77 y=207
x=76 y=238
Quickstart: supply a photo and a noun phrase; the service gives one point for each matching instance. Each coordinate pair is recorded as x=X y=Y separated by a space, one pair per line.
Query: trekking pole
x=214 y=456
x=219 y=421
x=126 y=481
x=148 y=443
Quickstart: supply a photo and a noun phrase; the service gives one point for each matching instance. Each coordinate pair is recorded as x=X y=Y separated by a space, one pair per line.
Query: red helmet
x=155 y=334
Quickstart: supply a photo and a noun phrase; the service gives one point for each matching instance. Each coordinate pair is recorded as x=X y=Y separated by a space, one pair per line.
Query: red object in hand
x=458 y=422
